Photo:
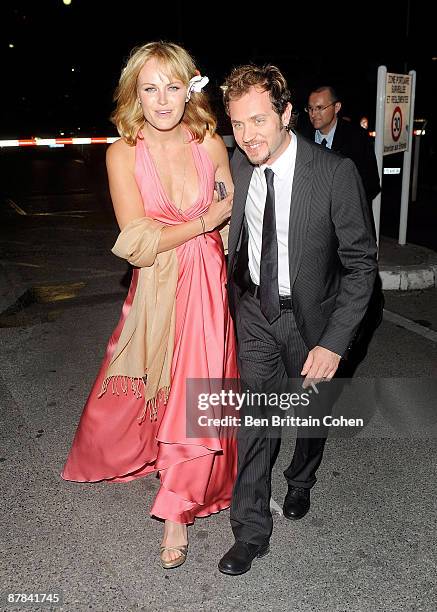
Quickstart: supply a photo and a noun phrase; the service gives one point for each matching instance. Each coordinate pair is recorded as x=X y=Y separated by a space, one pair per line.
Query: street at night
x=368 y=542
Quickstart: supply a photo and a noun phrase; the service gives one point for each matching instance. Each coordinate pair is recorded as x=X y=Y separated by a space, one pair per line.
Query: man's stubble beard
x=257 y=162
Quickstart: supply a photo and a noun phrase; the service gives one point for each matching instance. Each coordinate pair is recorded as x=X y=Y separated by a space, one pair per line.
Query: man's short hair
x=332 y=92
x=267 y=78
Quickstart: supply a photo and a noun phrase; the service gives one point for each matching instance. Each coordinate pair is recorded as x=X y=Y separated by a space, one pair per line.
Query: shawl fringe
x=124 y=384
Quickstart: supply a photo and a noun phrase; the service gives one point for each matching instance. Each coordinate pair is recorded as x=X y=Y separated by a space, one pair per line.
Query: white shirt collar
x=329 y=137
x=281 y=166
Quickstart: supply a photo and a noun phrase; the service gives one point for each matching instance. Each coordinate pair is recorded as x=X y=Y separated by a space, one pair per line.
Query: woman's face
x=162 y=98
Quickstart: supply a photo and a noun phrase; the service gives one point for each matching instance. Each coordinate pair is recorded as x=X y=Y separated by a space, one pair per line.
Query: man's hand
x=320 y=365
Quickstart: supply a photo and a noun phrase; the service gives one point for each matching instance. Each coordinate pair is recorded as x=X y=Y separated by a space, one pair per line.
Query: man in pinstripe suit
x=302 y=265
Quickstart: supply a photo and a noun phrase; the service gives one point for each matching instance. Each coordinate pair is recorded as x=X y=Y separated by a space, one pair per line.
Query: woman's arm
x=219 y=155
x=125 y=195
x=218 y=152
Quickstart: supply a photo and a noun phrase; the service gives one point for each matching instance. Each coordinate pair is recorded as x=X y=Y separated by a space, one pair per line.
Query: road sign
x=397 y=112
x=396 y=124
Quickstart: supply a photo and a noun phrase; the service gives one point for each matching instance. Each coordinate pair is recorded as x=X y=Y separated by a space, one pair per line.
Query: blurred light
x=11 y=45
x=434 y=59
x=66 y=2
x=62 y=133
x=72 y=70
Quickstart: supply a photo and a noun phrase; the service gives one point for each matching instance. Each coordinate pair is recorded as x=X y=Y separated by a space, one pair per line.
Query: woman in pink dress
x=161 y=175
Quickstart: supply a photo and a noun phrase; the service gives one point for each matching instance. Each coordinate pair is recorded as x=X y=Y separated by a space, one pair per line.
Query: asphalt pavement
x=368 y=542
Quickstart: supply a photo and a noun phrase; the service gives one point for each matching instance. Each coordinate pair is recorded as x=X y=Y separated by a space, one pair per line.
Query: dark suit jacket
x=332 y=252
x=353 y=141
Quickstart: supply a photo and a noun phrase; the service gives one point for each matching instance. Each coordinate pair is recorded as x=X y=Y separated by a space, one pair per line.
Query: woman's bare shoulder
x=120 y=152
x=215 y=147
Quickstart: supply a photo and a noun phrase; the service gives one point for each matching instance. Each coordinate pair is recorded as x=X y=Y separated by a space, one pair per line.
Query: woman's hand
x=218 y=212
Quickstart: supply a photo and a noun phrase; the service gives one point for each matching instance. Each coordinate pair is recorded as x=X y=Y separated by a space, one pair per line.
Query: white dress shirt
x=283 y=169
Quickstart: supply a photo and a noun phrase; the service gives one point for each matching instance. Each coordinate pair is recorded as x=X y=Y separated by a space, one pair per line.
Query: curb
x=408 y=278
x=407 y=267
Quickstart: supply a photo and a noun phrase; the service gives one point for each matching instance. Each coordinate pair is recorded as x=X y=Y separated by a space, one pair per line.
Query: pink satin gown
x=196 y=474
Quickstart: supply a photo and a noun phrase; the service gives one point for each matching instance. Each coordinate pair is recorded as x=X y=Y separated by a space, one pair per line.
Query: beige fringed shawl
x=143 y=355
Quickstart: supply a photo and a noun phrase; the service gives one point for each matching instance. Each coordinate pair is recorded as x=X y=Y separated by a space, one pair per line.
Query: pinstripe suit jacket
x=332 y=253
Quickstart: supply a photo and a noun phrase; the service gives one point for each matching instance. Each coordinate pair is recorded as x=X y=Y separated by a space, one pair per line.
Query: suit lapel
x=241 y=175
x=300 y=206
x=337 y=141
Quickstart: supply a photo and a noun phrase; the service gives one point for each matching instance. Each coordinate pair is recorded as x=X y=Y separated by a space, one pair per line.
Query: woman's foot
x=174 y=545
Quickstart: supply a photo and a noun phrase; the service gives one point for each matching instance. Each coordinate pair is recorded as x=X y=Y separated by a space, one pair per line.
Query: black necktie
x=268 y=277
x=323 y=143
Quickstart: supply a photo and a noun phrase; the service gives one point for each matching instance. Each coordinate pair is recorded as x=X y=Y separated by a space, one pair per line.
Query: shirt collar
x=329 y=137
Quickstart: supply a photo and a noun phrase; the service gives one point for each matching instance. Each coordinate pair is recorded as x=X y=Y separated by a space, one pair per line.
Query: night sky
x=42 y=95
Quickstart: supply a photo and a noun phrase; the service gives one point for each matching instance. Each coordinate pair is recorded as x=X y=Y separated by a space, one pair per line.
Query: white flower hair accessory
x=197 y=83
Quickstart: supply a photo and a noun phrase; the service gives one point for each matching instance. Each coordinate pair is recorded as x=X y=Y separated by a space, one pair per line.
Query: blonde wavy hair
x=177 y=63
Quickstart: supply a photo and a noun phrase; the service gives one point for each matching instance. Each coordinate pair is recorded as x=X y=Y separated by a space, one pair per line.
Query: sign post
x=407 y=165
x=379 y=142
x=394 y=133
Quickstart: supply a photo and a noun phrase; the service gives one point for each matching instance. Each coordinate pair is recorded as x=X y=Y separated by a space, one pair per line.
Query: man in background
x=329 y=130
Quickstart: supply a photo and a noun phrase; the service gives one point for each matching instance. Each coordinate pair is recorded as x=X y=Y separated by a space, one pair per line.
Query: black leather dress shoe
x=296 y=503
x=238 y=559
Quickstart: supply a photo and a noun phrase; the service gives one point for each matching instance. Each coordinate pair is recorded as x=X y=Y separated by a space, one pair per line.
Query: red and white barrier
x=50 y=142
x=53 y=142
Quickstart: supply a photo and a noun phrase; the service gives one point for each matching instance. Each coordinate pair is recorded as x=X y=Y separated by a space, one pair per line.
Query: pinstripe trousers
x=269 y=355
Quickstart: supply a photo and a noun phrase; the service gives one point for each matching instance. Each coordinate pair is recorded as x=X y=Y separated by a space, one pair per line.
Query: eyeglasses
x=318 y=109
